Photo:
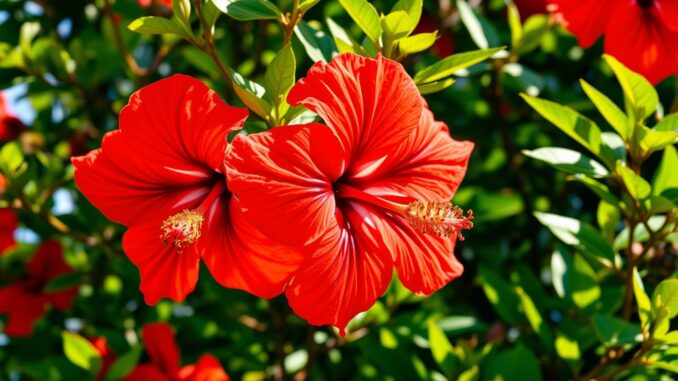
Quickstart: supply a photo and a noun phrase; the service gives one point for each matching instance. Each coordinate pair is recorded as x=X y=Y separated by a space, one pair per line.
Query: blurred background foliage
x=545 y=295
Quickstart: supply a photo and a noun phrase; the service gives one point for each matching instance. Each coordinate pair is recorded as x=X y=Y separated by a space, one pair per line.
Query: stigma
x=182 y=229
x=438 y=218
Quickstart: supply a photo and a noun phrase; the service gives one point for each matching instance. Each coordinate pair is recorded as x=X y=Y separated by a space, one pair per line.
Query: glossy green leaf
x=574 y=279
x=81 y=352
x=251 y=93
x=640 y=93
x=452 y=64
x=156 y=25
x=666 y=295
x=342 y=39
x=666 y=177
x=601 y=190
x=473 y=24
x=579 y=235
x=637 y=186
x=642 y=300
x=613 y=331
x=124 y=364
x=652 y=140
x=395 y=25
x=668 y=123
x=515 y=364
x=441 y=348
x=434 y=87
x=247 y=10
x=568 y=161
x=365 y=15
x=182 y=11
x=413 y=9
x=534 y=29
x=575 y=125
x=567 y=349
x=417 y=43
x=515 y=24
x=608 y=216
x=534 y=317
x=640 y=233
x=318 y=45
x=608 y=109
x=279 y=78
x=305 y=5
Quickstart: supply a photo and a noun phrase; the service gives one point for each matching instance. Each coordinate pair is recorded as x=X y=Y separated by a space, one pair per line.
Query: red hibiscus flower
x=165 y=360
x=529 y=8
x=161 y=175
x=642 y=34
x=10 y=126
x=359 y=192
x=106 y=353
x=8 y=224
x=25 y=300
x=148 y=3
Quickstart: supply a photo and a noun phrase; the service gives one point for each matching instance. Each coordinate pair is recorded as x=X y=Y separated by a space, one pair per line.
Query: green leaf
x=666 y=177
x=636 y=185
x=515 y=24
x=342 y=39
x=670 y=366
x=156 y=25
x=417 y=43
x=533 y=31
x=251 y=93
x=575 y=125
x=366 y=16
x=651 y=140
x=413 y=9
x=28 y=32
x=608 y=109
x=567 y=349
x=640 y=93
x=642 y=300
x=535 y=319
x=601 y=190
x=608 y=216
x=666 y=295
x=516 y=364
x=11 y=159
x=452 y=64
x=616 y=144
x=211 y=14
x=434 y=87
x=640 y=233
x=473 y=24
x=574 y=279
x=279 y=79
x=247 y=10
x=182 y=11
x=395 y=25
x=124 y=365
x=579 y=235
x=81 y=352
x=305 y=5
x=527 y=79
x=668 y=123
x=318 y=45
x=501 y=294
x=613 y=331
x=441 y=348
x=568 y=161
x=63 y=282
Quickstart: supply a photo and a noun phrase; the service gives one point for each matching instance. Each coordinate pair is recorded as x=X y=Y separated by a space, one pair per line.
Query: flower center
x=426 y=217
x=181 y=229
x=645 y=3
x=439 y=218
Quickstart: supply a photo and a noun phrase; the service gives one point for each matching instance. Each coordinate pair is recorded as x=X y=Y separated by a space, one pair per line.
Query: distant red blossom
x=444 y=45
x=25 y=300
x=642 y=34
x=107 y=355
x=8 y=224
x=148 y=3
x=165 y=360
x=10 y=126
x=359 y=192
x=529 y=8
x=162 y=175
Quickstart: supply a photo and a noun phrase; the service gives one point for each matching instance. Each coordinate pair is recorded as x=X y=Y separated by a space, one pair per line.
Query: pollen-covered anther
x=439 y=218
x=181 y=229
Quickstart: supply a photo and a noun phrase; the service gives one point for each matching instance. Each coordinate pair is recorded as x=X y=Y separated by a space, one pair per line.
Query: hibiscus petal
x=48 y=261
x=241 y=257
x=425 y=263
x=207 y=368
x=147 y=372
x=283 y=180
x=171 y=141
x=23 y=310
x=165 y=273
x=161 y=347
x=370 y=104
x=669 y=12
x=643 y=44
x=429 y=165
x=348 y=271
x=586 y=19
x=8 y=223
